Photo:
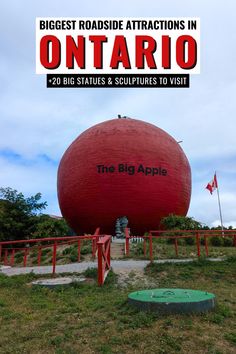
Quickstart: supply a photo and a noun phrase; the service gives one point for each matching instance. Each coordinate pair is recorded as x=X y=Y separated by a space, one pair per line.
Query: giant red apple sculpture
x=123 y=167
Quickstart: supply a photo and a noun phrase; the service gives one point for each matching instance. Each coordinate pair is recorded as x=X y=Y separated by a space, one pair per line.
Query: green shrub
x=138 y=249
x=228 y=241
x=86 y=249
x=231 y=337
x=18 y=255
x=202 y=241
x=46 y=251
x=216 y=241
x=68 y=250
x=91 y=273
x=170 y=241
x=34 y=253
x=181 y=241
x=73 y=257
x=190 y=241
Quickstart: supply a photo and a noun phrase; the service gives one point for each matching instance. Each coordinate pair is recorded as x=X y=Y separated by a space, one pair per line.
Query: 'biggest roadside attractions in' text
x=101 y=52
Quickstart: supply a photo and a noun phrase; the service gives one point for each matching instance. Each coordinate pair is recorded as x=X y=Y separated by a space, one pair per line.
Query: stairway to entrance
x=117 y=250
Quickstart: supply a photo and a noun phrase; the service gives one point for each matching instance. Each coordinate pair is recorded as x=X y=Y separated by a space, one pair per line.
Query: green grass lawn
x=84 y=318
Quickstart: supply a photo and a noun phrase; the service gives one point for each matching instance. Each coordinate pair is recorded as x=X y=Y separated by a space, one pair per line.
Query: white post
x=218 y=194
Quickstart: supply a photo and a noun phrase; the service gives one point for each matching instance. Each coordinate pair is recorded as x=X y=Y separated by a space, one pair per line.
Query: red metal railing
x=104 y=258
x=8 y=249
x=94 y=242
x=127 y=238
x=179 y=234
x=100 y=246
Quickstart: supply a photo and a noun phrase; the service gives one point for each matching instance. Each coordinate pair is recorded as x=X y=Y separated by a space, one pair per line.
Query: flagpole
x=221 y=219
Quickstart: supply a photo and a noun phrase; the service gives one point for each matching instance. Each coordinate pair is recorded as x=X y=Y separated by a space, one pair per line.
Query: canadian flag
x=211 y=186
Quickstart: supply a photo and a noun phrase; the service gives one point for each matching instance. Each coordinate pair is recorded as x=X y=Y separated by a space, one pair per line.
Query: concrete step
x=117 y=250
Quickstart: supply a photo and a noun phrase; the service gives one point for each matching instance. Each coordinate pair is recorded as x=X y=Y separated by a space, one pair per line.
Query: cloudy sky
x=37 y=124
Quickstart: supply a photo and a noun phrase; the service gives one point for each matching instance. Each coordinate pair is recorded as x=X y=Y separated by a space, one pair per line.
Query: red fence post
x=78 y=250
x=39 y=255
x=5 y=256
x=198 y=244
x=127 y=241
x=54 y=257
x=12 y=257
x=97 y=231
x=100 y=264
x=104 y=258
x=176 y=247
x=234 y=240
x=94 y=247
x=206 y=245
x=0 y=252
x=150 y=248
x=109 y=253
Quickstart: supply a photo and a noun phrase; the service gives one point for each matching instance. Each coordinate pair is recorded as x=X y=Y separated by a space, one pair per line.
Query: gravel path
x=117 y=265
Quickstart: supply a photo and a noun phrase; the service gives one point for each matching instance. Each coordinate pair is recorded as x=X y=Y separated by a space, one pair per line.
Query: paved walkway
x=117 y=265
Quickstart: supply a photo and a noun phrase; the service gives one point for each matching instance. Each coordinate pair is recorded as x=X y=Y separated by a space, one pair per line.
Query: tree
x=18 y=214
x=30 y=206
x=51 y=227
x=177 y=222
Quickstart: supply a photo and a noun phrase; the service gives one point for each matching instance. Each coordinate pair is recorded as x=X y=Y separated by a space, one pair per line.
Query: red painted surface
x=104 y=258
x=88 y=198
